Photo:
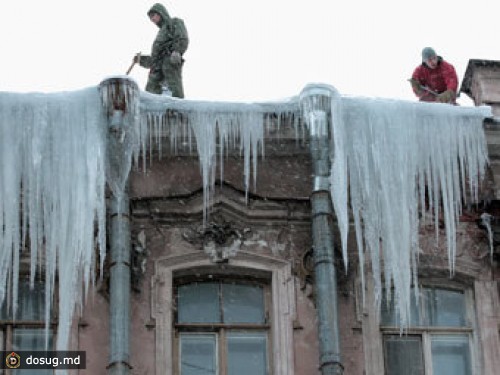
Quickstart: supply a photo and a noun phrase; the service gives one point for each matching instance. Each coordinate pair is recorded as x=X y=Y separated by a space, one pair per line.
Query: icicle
x=388 y=153
x=339 y=183
x=212 y=129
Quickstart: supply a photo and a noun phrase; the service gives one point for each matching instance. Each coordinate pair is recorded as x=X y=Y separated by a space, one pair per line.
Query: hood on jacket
x=162 y=11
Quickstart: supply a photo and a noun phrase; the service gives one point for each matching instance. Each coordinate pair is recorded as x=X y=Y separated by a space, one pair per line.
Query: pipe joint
x=320 y=206
x=120 y=216
x=331 y=363
x=321 y=183
x=323 y=257
x=119 y=364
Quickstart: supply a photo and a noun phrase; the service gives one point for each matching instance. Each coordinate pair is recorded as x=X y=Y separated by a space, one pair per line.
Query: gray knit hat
x=427 y=53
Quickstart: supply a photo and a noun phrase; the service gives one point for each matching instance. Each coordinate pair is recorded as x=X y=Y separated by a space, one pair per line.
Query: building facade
x=227 y=282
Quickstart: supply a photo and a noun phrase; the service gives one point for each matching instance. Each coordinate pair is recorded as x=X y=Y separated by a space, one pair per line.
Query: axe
x=138 y=57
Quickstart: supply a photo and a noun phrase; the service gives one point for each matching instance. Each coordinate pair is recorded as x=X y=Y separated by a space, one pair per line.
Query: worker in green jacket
x=166 y=61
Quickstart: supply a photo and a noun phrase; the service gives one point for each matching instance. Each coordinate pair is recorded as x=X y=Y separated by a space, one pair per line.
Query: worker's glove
x=176 y=58
x=417 y=87
x=446 y=97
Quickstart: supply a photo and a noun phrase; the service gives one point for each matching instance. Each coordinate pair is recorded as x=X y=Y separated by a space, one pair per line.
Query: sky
x=245 y=51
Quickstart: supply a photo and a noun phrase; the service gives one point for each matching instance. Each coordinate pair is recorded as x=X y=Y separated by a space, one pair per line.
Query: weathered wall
x=167 y=207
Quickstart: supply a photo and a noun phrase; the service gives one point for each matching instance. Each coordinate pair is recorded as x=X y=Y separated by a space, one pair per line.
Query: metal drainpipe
x=119 y=287
x=315 y=102
x=118 y=208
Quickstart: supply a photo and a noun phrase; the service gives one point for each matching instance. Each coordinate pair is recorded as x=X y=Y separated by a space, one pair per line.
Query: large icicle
x=387 y=153
x=52 y=149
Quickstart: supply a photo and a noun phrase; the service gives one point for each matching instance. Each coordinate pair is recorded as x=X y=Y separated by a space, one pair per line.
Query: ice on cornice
x=216 y=128
x=391 y=160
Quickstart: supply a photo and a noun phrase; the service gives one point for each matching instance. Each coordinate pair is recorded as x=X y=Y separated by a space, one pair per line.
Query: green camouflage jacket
x=171 y=37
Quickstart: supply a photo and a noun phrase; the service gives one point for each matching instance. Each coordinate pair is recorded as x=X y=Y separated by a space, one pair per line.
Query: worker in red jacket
x=435 y=80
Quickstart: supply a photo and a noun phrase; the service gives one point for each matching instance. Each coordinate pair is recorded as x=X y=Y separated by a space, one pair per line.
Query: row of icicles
x=54 y=155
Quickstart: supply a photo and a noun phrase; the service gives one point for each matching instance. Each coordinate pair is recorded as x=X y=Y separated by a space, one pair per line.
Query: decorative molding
x=228 y=202
x=219 y=238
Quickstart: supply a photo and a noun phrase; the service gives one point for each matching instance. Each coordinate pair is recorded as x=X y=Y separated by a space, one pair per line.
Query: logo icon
x=13 y=360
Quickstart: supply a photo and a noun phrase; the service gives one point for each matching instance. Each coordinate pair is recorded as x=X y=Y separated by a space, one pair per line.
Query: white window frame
x=282 y=309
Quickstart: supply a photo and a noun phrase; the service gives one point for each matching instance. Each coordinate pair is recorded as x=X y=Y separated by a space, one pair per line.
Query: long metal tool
x=436 y=94
x=425 y=88
x=138 y=57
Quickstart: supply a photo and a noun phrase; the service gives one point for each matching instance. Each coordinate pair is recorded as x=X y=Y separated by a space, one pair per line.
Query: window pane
x=242 y=303
x=246 y=354
x=440 y=307
x=451 y=355
x=390 y=314
x=31 y=303
x=198 y=303
x=198 y=354
x=445 y=307
x=403 y=355
x=31 y=339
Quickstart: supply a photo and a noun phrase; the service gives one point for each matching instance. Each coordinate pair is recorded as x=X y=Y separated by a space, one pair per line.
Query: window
x=262 y=282
x=222 y=328
x=439 y=337
x=25 y=330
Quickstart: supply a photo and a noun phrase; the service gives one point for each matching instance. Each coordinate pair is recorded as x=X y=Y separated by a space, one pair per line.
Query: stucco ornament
x=219 y=239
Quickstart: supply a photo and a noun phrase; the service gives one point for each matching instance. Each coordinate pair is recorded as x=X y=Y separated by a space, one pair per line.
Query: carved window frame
x=283 y=309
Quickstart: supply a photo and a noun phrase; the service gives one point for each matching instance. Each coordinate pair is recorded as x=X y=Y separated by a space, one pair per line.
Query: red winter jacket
x=440 y=79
